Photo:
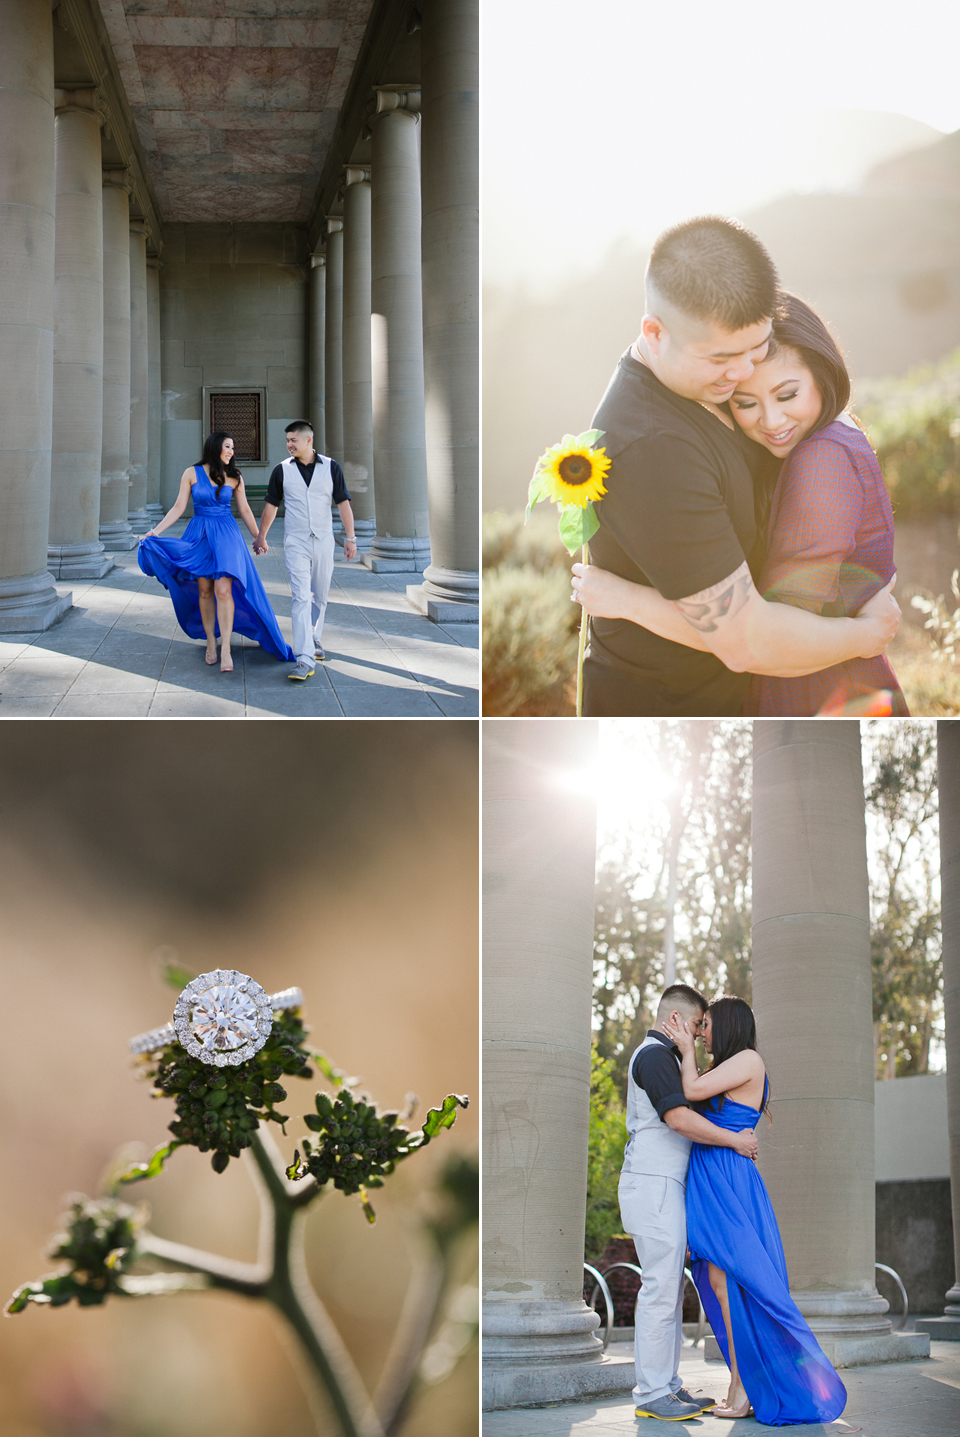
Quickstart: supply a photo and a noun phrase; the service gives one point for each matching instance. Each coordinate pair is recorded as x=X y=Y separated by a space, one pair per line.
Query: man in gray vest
x=662 y=1126
x=308 y=484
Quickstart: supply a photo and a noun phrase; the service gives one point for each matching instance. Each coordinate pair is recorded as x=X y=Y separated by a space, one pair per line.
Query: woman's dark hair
x=219 y=472
x=733 y=1029
x=796 y=326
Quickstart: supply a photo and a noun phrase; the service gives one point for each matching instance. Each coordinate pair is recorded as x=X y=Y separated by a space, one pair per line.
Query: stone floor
x=119 y=653
x=898 y=1399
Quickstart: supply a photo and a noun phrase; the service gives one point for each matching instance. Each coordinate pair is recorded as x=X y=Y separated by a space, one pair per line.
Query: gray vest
x=307 y=508
x=652 y=1148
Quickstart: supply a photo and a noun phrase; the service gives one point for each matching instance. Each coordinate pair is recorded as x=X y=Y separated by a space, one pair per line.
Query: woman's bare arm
x=171 y=517
x=243 y=507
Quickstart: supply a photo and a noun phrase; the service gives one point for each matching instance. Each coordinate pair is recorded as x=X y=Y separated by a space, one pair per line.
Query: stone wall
x=233 y=310
x=915 y=1238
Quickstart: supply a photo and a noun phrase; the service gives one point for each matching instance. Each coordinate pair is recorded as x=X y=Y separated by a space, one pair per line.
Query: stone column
x=948 y=767
x=74 y=550
x=333 y=341
x=154 y=507
x=28 y=598
x=812 y=998
x=137 y=516
x=402 y=542
x=318 y=323
x=357 y=383
x=449 y=48
x=539 y=873
x=115 y=532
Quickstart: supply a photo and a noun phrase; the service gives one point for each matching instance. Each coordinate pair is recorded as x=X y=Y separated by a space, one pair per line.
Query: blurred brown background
x=340 y=857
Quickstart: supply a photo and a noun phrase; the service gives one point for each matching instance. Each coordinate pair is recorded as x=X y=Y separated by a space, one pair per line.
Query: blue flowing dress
x=212 y=547
x=731 y=1223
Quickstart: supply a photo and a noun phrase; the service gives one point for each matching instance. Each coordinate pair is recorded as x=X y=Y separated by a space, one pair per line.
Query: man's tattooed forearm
x=704 y=611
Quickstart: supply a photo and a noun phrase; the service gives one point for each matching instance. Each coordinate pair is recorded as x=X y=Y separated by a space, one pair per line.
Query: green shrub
x=535 y=545
x=608 y=1136
x=914 y=425
x=529 y=634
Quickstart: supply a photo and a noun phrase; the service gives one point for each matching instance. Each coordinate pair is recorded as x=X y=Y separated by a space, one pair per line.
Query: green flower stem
x=280 y=1276
x=581 y=650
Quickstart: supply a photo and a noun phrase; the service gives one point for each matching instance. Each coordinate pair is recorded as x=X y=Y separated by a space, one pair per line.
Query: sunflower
x=573 y=473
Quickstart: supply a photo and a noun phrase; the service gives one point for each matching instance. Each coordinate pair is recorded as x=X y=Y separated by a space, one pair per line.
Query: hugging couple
x=690 y=1179
x=744 y=560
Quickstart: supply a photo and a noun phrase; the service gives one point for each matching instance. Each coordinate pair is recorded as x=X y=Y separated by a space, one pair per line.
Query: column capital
x=79 y=99
x=139 y=227
x=154 y=261
x=334 y=224
x=117 y=178
x=317 y=261
x=356 y=175
x=389 y=98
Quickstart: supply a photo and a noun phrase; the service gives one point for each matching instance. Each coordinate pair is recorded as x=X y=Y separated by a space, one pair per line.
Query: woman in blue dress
x=777 y=1369
x=208 y=572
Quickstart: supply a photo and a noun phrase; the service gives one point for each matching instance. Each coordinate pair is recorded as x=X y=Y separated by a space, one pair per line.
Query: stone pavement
x=897 y=1399
x=119 y=653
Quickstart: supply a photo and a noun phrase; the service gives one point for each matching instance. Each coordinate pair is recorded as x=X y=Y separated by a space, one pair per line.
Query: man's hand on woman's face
x=881 y=620
x=680 y=1031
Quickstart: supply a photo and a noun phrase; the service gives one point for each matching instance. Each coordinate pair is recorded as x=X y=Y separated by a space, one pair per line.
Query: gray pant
x=654 y=1214
x=309 y=564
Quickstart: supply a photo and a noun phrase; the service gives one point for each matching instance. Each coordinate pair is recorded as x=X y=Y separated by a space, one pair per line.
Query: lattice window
x=239 y=415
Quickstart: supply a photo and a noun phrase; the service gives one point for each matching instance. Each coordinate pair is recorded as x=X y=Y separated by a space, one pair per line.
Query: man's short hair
x=299 y=426
x=714 y=269
x=688 y=996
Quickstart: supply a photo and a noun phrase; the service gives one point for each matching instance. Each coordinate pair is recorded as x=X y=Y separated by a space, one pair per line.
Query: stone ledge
x=530 y=1386
x=409 y=565
x=34 y=619
x=854 y=1351
x=940 y=1329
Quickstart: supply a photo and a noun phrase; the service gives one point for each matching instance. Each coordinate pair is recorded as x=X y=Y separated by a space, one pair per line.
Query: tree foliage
x=608 y=1135
x=901 y=798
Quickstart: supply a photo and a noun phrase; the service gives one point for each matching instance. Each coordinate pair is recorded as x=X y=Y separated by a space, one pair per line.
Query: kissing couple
x=744 y=560
x=689 y=1178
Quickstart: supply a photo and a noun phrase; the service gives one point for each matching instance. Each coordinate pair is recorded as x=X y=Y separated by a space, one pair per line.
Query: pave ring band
x=223 y=1017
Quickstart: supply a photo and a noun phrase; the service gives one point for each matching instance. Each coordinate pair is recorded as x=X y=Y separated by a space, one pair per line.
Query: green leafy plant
x=356 y=1147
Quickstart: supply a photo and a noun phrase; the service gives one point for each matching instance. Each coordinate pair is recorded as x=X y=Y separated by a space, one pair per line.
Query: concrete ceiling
x=235 y=101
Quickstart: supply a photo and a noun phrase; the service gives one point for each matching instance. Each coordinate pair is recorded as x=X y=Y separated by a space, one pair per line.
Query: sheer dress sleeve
x=815 y=527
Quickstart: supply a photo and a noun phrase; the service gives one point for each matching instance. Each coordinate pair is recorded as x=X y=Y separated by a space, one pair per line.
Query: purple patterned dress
x=829 y=549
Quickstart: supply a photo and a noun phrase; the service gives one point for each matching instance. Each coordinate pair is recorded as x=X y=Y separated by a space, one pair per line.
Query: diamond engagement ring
x=222 y=1017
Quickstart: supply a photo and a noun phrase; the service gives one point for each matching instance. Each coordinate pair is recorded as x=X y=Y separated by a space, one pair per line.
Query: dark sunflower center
x=574 y=469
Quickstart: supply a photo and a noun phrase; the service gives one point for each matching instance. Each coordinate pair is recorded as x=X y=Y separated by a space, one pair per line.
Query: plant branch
x=417 y=1317
x=249 y=1279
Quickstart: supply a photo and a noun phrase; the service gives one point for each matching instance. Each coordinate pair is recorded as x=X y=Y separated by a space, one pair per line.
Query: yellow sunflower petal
x=573 y=473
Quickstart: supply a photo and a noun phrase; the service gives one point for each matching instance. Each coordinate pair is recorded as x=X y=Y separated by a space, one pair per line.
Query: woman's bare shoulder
x=189 y=473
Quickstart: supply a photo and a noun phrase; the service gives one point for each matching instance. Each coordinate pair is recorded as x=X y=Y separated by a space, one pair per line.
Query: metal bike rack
x=881 y=1267
x=600 y=1285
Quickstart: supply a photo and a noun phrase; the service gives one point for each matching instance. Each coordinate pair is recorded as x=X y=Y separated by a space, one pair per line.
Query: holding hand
x=745 y=1143
x=601 y=594
x=880 y=617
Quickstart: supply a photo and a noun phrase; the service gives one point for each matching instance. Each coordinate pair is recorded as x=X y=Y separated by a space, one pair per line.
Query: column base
x=364 y=529
x=140 y=521
x=940 y=1329
x=854 y=1351
x=78 y=561
x=156 y=512
x=31 y=604
x=117 y=538
x=397 y=556
x=505 y=1387
x=447 y=596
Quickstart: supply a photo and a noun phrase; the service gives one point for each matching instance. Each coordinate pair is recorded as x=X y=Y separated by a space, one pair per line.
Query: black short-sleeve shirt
x=275 y=486
x=679 y=515
x=657 y=1072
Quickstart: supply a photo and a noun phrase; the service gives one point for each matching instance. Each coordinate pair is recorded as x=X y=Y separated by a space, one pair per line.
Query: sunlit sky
x=620 y=119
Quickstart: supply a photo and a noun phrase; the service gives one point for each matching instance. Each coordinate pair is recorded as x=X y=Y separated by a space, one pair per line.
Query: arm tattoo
x=704 y=611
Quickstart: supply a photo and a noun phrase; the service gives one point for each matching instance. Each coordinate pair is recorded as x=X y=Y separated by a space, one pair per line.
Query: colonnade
x=812 y=997
x=394 y=310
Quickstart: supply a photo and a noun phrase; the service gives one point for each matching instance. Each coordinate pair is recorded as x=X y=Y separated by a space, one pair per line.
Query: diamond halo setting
x=223 y=1017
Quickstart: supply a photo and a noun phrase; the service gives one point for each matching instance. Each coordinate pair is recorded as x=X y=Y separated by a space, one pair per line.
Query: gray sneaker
x=301 y=672
x=669 y=1409
x=703 y=1402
